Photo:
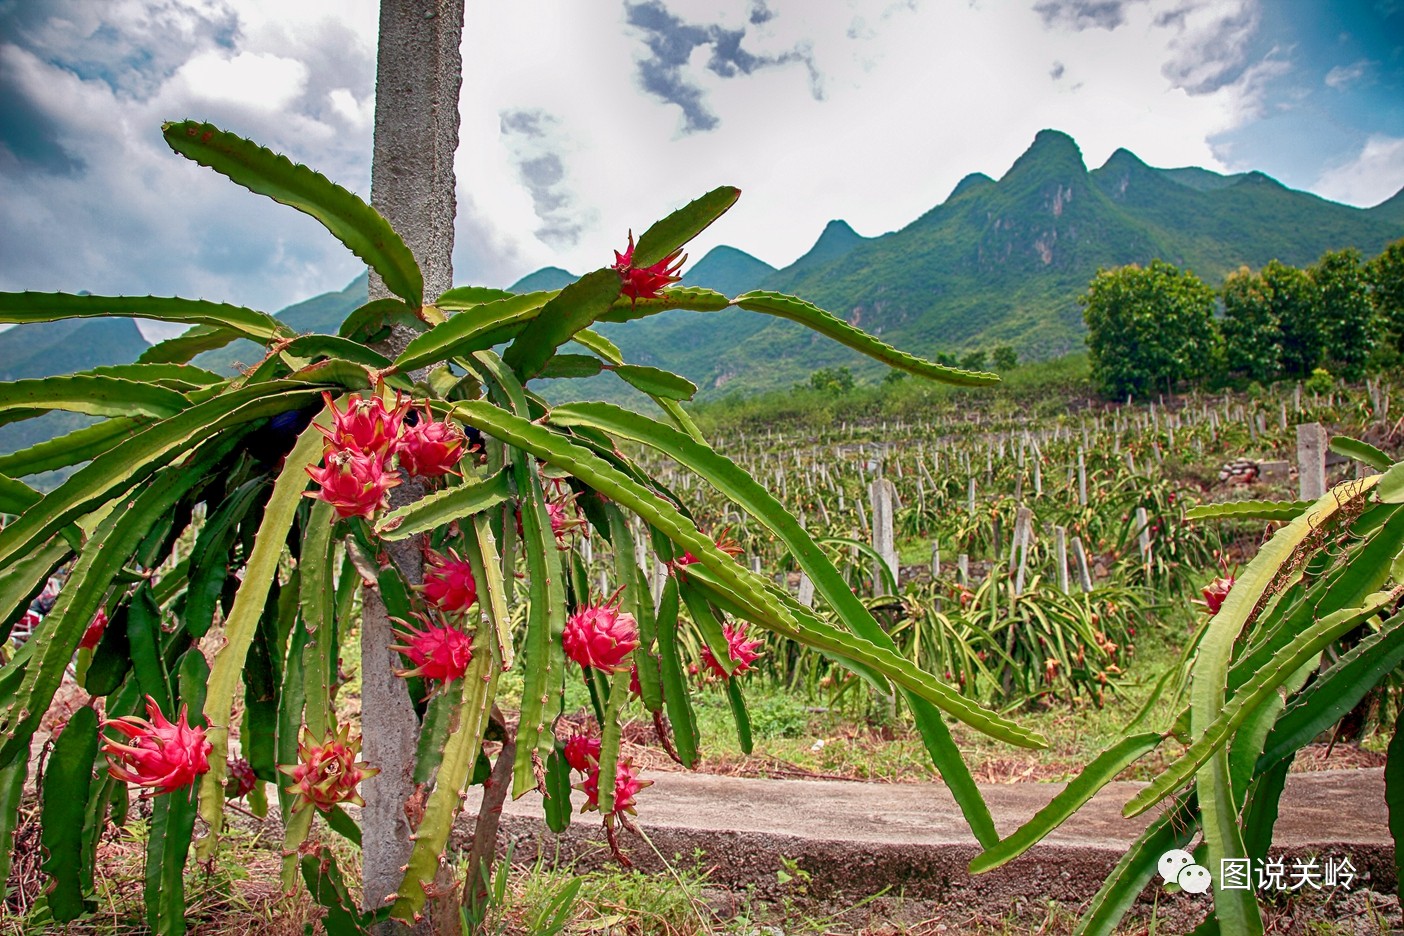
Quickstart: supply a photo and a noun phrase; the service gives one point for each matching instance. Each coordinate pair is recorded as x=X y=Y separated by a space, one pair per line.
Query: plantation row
x=1024 y=553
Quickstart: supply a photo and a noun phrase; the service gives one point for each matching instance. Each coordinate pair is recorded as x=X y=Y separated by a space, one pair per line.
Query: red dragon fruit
x=355 y=484
x=448 y=582
x=601 y=636
x=440 y=653
x=646 y=282
x=93 y=635
x=431 y=449
x=626 y=787
x=241 y=778
x=327 y=773
x=743 y=651
x=367 y=427
x=161 y=756
x=582 y=752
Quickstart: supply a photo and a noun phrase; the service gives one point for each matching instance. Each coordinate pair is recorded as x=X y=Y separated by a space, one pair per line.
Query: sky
x=583 y=119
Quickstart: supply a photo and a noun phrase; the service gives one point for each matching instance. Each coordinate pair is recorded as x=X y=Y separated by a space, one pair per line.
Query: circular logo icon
x=1172 y=863
x=1195 y=879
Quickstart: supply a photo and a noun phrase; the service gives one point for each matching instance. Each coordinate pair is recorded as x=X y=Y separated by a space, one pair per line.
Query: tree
x=1293 y=299
x=1347 y=315
x=974 y=360
x=1385 y=275
x=1252 y=332
x=1149 y=328
x=831 y=380
x=893 y=377
x=1005 y=358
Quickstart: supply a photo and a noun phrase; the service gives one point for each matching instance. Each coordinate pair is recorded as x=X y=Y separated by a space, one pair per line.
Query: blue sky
x=584 y=119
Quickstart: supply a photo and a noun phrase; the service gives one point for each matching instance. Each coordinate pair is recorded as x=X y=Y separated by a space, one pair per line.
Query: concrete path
x=855 y=839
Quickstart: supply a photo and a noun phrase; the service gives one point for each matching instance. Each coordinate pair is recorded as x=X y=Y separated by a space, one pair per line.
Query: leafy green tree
x=974 y=360
x=832 y=380
x=1005 y=358
x=1251 y=329
x=893 y=378
x=1149 y=328
x=1294 y=300
x=1385 y=274
x=1347 y=315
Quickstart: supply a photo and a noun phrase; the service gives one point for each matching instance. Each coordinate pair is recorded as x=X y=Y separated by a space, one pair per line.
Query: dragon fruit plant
x=1292 y=644
x=281 y=478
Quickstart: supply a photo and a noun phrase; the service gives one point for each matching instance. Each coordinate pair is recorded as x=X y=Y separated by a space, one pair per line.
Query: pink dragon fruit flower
x=743 y=651
x=646 y=282
x=626 y=787
x=355 y=484
x=448 y=582
x=327 y=773
x=724 y=542
x=440 y=653
x=93 y=635
x=367 y=427
x=431 y=449
x=601 y=636
x=162 y=756
x=563 y=522
x=582 y=752
x=1215 y=592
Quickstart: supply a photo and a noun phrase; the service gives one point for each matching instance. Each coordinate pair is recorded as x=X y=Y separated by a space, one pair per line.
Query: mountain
x=729 y=271
x=1004 y=261
x=999 y=261
x=48 y=348
x=1391 y=210
x=544 y=279
x=1203 y=180
x=321 y=315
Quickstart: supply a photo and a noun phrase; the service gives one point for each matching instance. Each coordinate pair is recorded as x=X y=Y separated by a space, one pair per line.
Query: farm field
x=1038 y=560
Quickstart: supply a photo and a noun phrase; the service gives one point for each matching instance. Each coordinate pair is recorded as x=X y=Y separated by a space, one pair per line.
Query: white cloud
x=251 y=79
x=1374 y=175
x=1343 y=76
x=104 y=205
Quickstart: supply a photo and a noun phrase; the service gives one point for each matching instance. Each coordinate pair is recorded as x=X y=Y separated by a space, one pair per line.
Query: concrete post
x=1143 y=538
x=1084 y=574
x=806 y=591
x=882 y=493
x=1311 y=460
x=1060 y=548
x=1023 y=534
x=418 y=76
